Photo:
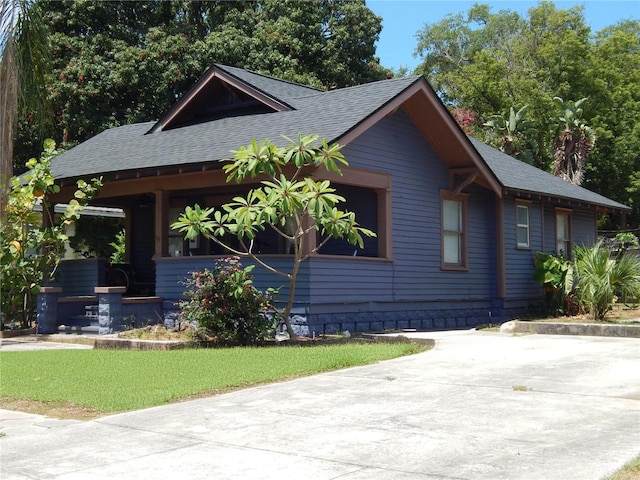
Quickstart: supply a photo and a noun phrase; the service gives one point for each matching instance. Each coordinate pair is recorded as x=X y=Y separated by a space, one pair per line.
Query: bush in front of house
x=604 y=276
x=226 y=305
x=596 y=278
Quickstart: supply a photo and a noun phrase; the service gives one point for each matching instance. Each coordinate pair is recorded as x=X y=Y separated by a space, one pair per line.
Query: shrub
x=555 y=274
x=602 y=277
x=226 y=305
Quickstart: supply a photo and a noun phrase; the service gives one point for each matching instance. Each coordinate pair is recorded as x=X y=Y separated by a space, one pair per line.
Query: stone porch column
x=109 y=308
x=47 y=310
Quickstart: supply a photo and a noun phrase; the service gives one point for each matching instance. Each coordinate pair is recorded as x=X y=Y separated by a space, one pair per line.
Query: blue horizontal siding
x=519 y=264
x=349 y=279
x=171 y=274
x=395 y=146
x=80 y=277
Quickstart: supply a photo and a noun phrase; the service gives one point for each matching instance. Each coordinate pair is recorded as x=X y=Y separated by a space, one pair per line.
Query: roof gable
x=227 y=92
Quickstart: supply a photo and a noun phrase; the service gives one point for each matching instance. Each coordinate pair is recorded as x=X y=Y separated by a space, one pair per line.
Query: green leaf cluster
x=596 y=277
x=31 y=249
x=492 y=62
x=556 y=275
x=225 y=304
x=290 y=201
x=603 y=277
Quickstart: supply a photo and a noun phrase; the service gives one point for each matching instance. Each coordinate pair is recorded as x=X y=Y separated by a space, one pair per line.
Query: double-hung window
x=563 y=232
x=454 y=238
x=523 y=226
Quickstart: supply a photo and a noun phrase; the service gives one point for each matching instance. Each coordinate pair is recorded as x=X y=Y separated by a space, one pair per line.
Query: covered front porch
x=158 y=259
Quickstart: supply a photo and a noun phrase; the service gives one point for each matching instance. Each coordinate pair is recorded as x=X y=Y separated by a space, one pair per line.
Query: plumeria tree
x=288 y=201
x=31 y=244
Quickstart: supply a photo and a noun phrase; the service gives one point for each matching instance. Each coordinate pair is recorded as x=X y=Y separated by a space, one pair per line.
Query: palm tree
x=573 y=143
x=24 y=58
x=602 y=277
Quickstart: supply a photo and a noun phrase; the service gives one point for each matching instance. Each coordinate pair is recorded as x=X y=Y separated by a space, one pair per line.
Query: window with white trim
x=522 y=226
x=454 y=243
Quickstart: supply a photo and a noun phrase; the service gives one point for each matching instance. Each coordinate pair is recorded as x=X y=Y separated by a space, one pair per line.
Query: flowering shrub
x=466 y=119
x=226 y=305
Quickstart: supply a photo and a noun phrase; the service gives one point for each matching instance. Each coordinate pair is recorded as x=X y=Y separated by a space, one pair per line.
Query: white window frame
x=526 y=227
x=563 y=239
x=459 y=232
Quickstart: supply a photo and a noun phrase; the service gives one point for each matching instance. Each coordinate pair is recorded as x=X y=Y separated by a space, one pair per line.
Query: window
x=368 y=194
x=563 y=232
x=522 y=222
x=364 y=203
x=454 y=248
x=176 y=238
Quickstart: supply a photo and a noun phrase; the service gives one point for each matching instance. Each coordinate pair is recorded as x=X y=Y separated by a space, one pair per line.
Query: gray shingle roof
x=279 y=89
x=330 y=114
x=516 y=175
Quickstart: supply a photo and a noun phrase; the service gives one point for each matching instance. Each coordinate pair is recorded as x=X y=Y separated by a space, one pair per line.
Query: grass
x=631 y=471
x=90 y=383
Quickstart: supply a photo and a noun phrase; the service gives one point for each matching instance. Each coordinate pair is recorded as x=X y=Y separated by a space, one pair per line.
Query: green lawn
x=119 y=380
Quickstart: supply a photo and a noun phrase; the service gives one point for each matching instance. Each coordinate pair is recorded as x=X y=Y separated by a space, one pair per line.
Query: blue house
x=457 y=222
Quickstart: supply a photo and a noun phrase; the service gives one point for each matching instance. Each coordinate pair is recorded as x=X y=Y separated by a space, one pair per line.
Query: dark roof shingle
x=329 y=114
x=516 y=175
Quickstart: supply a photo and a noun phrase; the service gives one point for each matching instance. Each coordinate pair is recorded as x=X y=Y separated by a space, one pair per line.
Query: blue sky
x=402 y=19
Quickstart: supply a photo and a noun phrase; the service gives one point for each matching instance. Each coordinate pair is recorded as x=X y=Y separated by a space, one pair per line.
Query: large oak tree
x=122 y=62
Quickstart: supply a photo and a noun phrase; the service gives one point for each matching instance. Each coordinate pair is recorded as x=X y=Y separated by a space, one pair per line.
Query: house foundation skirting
x=400 y=320
x=113 y=313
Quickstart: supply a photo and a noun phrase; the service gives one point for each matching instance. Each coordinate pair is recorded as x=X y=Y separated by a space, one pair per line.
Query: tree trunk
x=8 y=113
x=292 y=291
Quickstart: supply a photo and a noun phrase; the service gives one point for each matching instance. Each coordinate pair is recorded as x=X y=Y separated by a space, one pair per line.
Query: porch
x=107 y=311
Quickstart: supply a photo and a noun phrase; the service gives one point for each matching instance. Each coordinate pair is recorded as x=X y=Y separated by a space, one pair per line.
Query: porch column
x=109 y=308
x=385 y=228
x=47 y=313
x=309 y=242
x=161 y=223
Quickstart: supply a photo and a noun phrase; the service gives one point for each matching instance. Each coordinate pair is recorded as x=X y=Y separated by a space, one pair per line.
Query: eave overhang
x=438 y=126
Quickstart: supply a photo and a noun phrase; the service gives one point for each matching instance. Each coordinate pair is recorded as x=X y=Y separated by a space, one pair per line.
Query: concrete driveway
x=478 y=406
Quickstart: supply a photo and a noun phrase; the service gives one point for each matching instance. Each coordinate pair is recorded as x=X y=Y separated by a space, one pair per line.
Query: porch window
x=364 y=203
x=176 y=239
x=367 y=194
x=453 y=231
x=563 y=232
x=522 y=226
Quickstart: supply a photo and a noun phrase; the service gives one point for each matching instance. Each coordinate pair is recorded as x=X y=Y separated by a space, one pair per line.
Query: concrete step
x=82 y=320
x=79 y=330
